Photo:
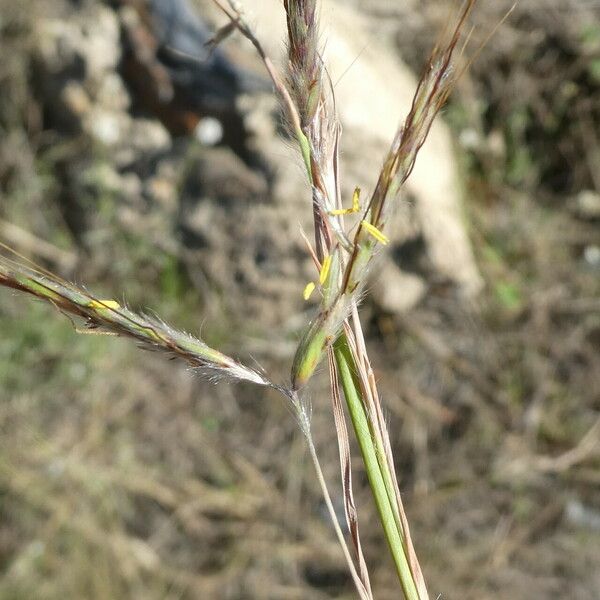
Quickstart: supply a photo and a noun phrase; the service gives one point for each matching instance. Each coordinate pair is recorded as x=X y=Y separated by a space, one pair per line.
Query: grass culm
x=346 y=240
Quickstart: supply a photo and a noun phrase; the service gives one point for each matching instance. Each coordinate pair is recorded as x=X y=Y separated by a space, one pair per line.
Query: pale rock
x=209 y=131
x=106 y=127
x=148 y=136
x=112 y=94
x=101 y=43
x=374 y=92
x=396 y=291
x=587 y=204
x=76 y=68
x=91 y=37
x=76 y=99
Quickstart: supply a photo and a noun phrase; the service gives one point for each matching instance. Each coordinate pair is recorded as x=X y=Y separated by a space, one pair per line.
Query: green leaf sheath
x=350 y=385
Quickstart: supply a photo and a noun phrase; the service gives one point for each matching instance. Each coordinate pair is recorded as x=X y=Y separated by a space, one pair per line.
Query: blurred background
x=136 y=163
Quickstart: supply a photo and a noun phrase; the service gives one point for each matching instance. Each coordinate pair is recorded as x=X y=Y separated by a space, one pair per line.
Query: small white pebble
x=105 y=127
x=591 y=255
x=209 y=131
x=588 y=204
x=580 y=515
x=469 y=139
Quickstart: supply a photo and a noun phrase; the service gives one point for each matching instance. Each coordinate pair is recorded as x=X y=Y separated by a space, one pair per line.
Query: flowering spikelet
x=305 y=63
x=433 y=90
x=108 y=316
x=339 y=294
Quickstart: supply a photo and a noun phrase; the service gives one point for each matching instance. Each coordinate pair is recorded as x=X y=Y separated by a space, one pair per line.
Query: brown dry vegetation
x=123 y=476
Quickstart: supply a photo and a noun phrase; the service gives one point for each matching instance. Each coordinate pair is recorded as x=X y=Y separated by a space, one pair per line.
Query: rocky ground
x=125 y=477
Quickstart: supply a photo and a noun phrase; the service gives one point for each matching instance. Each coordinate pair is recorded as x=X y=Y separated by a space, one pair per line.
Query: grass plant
x=346 y=240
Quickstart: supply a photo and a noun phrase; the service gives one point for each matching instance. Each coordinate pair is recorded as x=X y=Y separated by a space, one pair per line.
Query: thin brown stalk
x=346 y=471
x=363 y=592
x=237 y=21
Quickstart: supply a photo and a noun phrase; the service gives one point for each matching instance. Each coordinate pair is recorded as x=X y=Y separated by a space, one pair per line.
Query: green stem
x=347 y=370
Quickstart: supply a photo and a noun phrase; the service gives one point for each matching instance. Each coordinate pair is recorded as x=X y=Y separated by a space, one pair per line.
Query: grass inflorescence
x=342 y=255
x=110 y=317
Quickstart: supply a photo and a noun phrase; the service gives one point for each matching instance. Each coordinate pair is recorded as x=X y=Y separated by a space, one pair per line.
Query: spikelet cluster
x=108 y=316
x=354 y=254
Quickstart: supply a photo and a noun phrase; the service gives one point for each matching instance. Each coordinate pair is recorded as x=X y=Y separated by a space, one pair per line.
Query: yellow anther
x=356 y=200
x=348 y=211
x=104 y=304
x=308 y=290
x=380 y=237
x=325 y=269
